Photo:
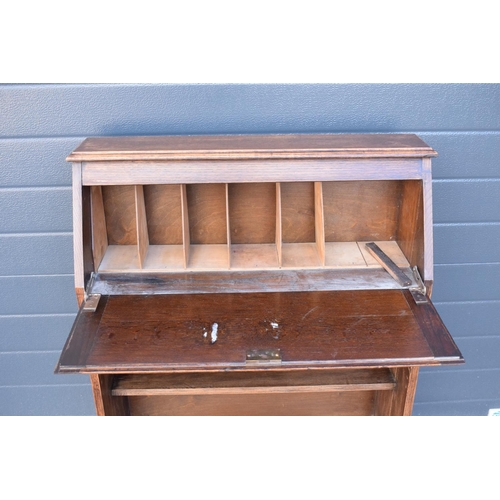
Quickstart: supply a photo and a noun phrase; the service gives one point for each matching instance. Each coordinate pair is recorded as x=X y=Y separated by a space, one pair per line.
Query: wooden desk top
x=251 y=147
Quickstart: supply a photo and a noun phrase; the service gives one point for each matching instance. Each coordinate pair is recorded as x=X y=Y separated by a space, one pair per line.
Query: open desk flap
x=253 y=331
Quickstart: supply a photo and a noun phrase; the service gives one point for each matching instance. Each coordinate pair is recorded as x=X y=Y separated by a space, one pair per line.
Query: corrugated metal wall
x=41 y=124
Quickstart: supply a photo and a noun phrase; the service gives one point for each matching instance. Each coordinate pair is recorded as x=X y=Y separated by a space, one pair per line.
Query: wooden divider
x=250 y=226
x=319 y=221
x=141 y=224
x=279 y=232
x=185 y=225
x=228 y=229
x=99 y=233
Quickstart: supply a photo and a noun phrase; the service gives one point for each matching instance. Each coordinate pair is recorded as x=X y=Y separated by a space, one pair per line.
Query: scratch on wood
x=309 y=312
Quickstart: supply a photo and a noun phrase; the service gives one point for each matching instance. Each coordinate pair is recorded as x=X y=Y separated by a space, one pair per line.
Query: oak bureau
x=254 y=274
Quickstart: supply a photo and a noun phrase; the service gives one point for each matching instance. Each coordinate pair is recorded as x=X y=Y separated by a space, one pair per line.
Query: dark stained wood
x=304 y=404
x=252 y=213
x=254 y=383
x=361 y=211
x=315 y=329
x=207 y=213
x=164 y=214
x=119 y=209
x=251 y=146
x=436 y=333
x=105 y=403
x=81 y=339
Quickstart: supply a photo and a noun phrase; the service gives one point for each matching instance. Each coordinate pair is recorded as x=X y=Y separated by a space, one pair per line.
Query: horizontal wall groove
x=476 y=337
x=457 y=132
x=28 y=352
x=466 y=180
x=34 y=188
x=496 y=401
x=45 y=137
x=455 y=264
x=458 y=223
x=41 y=233
x=464 y=302
x=40 y=137
x=83 y=85
x=452 y=369
x=42 y=385
x=453 y=224
x=35 y=275
x=37 y=315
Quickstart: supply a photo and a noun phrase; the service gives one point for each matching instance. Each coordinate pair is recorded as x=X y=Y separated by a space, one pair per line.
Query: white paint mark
x=213 y=335
x=274 y=324
x=205 y=333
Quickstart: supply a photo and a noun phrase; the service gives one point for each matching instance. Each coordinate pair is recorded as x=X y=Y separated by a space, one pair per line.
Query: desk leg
x=400 y=400
x=105 y=403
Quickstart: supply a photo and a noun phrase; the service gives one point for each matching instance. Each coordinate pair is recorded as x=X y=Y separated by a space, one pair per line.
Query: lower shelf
x=253 y=383
x=353 y=392
x=170 y=258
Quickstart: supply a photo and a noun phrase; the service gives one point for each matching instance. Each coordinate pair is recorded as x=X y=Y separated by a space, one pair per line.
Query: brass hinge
x=264 y=356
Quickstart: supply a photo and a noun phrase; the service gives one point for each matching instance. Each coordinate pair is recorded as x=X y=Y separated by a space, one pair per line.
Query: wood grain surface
x=297 y=212
x=99 y=232
x=104 y=173
x=120 y=214
x=304 y=404
x=379 y=379
x=252 y=213
x=164 y=214
x=361 y=211
x=315 y=329
x=207 y=213
x=251 y=146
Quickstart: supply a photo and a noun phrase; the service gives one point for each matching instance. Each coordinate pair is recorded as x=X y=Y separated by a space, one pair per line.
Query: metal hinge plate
x=264 y=356
x=418 y=291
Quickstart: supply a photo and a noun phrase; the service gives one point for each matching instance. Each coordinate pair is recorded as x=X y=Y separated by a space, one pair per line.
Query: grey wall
x=41 y=124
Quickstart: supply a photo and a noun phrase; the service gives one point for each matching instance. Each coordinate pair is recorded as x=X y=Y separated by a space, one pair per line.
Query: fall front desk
x=254 y=275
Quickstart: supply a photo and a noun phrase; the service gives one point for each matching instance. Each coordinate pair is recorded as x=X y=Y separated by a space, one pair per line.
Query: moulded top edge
x=189 y=147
